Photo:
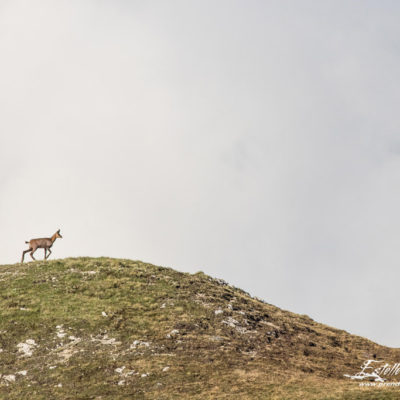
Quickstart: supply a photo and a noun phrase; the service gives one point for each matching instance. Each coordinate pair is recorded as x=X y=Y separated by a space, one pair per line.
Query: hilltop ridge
x=102 y=328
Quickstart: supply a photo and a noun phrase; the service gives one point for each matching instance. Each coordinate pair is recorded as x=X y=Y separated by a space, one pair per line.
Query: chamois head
x=58 y=234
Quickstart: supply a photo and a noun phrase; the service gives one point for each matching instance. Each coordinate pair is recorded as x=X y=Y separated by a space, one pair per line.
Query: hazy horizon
x=256 y=141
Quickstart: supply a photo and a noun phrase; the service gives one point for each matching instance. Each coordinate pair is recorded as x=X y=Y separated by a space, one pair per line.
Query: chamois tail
x=26 y=242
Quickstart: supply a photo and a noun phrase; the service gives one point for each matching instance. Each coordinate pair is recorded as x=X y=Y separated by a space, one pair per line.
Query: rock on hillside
x=100 y=328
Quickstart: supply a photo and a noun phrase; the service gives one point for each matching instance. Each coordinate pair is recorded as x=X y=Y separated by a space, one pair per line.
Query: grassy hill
x=100 y=328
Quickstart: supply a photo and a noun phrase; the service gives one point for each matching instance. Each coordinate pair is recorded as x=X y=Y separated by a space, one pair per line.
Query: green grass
x=102 y=307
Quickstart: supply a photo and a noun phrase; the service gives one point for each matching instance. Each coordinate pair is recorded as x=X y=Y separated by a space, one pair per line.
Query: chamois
x=43 y=243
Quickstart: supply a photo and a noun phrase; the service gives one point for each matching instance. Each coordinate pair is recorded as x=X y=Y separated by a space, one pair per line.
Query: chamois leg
x=44 y=254
x=31 y=253
x=24 y=252
x=48 y=255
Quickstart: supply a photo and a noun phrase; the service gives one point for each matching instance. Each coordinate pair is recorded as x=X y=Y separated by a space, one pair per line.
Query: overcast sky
x=257 y=141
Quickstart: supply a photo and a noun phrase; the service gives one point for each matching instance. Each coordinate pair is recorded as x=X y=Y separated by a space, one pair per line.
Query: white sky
x=257 y=141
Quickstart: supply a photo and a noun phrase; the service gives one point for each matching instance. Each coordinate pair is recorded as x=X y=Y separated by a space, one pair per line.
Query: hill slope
x=107 y=329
